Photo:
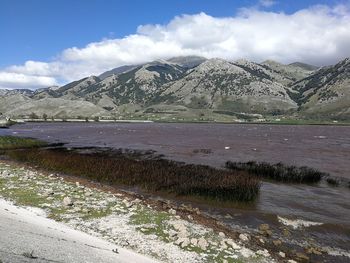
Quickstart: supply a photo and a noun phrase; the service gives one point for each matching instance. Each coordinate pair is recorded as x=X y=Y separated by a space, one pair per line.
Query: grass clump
x=278 y=172
x=332 y=181
x=153 y=175
x=11 y=142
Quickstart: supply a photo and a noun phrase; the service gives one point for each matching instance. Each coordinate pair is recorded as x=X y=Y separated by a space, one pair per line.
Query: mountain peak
x=304 y=66
x=187 y=61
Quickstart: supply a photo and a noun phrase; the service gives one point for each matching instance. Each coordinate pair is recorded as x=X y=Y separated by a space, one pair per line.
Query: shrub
x=278 y=172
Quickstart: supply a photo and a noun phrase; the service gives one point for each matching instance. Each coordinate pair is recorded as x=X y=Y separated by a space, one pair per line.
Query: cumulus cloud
x=9 y=80
x=317 y=35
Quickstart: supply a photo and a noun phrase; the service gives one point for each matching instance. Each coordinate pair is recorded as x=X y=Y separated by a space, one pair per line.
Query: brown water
x=326 y=148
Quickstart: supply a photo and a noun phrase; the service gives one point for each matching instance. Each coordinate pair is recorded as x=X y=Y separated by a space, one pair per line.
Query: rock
x=277 y=242
x=183 y=233
x=264 y=253
x=88 y=194
x=228 y=216
x=247 y=253
x=48 y=192
x=233 y=244
x=202 y=243
x=194 y=241
x=302 y=257
x=137 y=201
x=77 y=184
x=264 y=227
x=223 y=245
x=244 y=237
x=261 y=240
x=180 y=227
x=221 y=234
x=172 y=233
x=197 y=211
x=314 y=251
x=292 y=261
x=67 y=201
x=282 y=254
x=227 y=148
x=183 y=242
x=190 y=217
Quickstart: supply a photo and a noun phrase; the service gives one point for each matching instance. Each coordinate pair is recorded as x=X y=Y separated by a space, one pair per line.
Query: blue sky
x=39 y=29
x=52 y=38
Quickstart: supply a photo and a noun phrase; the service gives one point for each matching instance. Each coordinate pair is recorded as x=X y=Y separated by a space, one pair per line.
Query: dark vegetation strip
x=278 y=172
x=153 y=175
x=11 y=142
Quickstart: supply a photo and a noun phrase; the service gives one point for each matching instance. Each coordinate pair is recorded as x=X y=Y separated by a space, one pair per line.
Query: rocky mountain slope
x=190 y=84
x=326 y=92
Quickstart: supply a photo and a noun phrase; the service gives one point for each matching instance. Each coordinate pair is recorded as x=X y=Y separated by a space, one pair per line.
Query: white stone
x=202 y=243
x=172 y=211
x=282 y=254
x=244 y=237
x=67 y=201
x=194 y=241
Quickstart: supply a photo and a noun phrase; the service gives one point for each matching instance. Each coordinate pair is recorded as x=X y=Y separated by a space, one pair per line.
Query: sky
x=53 y=42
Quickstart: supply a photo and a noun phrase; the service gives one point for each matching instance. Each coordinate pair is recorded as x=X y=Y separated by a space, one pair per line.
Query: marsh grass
x=278 y=172
x=11 y=142
x=332 y=181
x=153 y=175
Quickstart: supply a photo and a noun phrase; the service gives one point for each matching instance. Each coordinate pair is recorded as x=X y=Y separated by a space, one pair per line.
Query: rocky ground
x=126 y=221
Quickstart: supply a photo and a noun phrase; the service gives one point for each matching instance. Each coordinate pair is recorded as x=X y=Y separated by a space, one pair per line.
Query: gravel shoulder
x=26 y=235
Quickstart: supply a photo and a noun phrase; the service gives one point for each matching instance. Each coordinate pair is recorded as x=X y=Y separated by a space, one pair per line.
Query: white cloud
x=318 y=35
x=9 y=80
x=267 y=3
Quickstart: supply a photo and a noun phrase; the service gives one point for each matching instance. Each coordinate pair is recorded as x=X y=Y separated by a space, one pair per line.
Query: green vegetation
x=278 y=172
x=11 y=142
x=152 y=175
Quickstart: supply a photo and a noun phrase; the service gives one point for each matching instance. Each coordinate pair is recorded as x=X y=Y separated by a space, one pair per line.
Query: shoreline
x=257 y=243
x=186 y=222
x=287 y=122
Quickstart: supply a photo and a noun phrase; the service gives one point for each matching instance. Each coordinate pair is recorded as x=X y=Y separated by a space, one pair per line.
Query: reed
x=150 y=174
x=278 y=172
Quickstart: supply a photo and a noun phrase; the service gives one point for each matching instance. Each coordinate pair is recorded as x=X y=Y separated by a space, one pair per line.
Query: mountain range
x=195 y=88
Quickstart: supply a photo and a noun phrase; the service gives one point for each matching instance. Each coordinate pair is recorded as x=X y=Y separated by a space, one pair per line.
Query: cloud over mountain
x=318 y=35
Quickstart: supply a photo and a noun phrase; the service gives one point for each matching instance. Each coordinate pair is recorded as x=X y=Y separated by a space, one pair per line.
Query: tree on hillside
x=45 y=117
x=33 y=116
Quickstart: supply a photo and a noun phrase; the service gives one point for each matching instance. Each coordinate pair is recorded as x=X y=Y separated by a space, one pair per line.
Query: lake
x=326 y=148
